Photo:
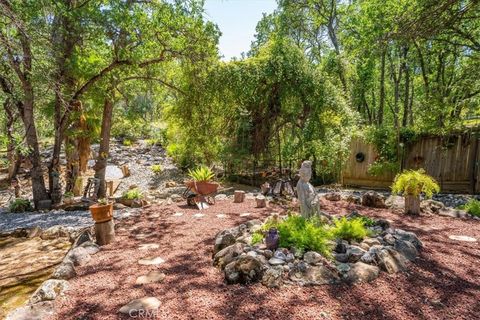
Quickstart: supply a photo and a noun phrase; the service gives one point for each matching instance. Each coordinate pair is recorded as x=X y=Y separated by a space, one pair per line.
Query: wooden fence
x=453 y=161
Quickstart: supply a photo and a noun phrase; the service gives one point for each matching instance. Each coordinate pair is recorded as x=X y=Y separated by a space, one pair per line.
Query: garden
x=239 y=160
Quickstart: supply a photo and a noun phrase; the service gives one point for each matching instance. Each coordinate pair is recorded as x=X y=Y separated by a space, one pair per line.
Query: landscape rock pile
x=388 y=250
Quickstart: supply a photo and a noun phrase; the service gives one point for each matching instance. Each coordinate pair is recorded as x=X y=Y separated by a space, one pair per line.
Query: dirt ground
x=444 y=283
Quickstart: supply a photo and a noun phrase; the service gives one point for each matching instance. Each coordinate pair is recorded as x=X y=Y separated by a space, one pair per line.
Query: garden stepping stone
x=148 y=246
x=142 y=304
x=462 y=238
x=151 y=277
x=178 y=214
x=151 y=261
x=142 y=236
x=221 y=216
x=246 y=214
x=198 y=215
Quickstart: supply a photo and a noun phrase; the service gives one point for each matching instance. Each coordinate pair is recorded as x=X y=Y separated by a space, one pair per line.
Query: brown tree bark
x=381 y=106
x=101 y=163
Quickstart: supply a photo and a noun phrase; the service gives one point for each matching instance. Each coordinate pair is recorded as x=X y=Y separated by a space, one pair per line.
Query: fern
x=414 y=182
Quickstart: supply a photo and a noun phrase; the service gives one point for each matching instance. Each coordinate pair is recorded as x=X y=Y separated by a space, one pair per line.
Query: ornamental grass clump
x=302 y=234
x=412 y=183
x=349 y=229
x=201 y=174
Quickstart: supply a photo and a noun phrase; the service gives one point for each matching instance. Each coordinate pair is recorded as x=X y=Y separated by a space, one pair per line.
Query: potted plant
x=68 y=197
x=132 y=196
x=102 y=211
x=202 y=180
x=411 y=183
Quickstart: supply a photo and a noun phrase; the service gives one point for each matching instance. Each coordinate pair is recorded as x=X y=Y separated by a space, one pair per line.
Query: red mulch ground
x=444 y=283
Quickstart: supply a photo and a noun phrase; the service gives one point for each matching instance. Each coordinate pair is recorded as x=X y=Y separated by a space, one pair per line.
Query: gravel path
x=442 y=284
x=74 y=219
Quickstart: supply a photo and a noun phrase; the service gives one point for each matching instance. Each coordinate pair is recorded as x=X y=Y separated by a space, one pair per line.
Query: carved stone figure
x=309 y=202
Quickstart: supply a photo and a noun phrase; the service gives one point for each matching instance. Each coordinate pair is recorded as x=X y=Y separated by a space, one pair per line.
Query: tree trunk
x=13 y=156
x=101 y=164
x=104 y=232
x=38 y=183
x=412 y=205
x=381 y=106
x=406 y=100
x=238 y=196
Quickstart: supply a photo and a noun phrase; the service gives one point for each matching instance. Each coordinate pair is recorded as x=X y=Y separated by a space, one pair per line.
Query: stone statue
x=309 y=202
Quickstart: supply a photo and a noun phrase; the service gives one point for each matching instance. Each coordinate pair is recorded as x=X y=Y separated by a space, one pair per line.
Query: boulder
x=390 y=260
x=361 y=272
x=84 y=236
x=373 y=199
x=34 y=232
x=55 y=232
x=333 y=196
x=91 y=247
x=49 y=290
x=406 y=248
x=312 y=257
x=408 y=236
x=245 y=269
x=353 y=199
x=223 y=240
x=354 y=253
x=341 y=257
x=273 y=277
x=431 y=207
x=227 y=255
x=79 y=256
x=318 y=275
x=64 y=271
x=395 y=203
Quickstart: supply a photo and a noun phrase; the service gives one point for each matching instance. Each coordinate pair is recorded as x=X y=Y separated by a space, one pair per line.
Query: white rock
x=143 y=304
x=151 y=261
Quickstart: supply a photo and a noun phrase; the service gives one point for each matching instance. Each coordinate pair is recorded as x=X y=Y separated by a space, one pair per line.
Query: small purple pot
x=272 y=239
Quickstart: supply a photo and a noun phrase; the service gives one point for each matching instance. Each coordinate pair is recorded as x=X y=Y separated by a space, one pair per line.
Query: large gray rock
x=390 y=260
x=90 y=247
x=312 y=257
x=49 y=290
x=361 y=272
x=65 y=271
x=79 y=256
x=315 y=275
x=228 y=237
x=272 y=277
x=333 y=196
x=354 y=253
x=406 y=248
x=373 y=199
x=245 y=269
x=408 y=236
x=227 y=255
x=55 y=232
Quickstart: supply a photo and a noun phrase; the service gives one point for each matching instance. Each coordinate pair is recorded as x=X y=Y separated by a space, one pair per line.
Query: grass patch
x=156 y=168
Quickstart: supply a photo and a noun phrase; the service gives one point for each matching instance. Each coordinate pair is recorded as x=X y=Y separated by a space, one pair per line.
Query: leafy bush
x=472 y=207
x=414 y=182
x=302 y=234
x=202 y=173
x=257 y=238
x=156 y=168
x=132 y=194
x=20 y=205
x=349 y=229
x=68 y=194
x=127 y=142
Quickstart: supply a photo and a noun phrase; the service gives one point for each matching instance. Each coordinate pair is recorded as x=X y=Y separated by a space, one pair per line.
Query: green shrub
x=257 y=238
x=202 y=173
x=132 y=194
x=349 y=229
x=414 y=182
x=68 y=194
x=20 y=205
x=156 y=168
x=127 y=142
x=302 y=234
x=472 y=207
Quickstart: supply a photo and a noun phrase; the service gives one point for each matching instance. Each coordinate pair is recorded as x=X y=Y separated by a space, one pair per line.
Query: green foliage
x=202 y=173
x=127 y=142
x=156 y=168
x=379 y=168
x=257 y=237
x=472 y=207
x=132 y=194
x=302 y=234
x=349 y=229
x=103 y=201
x=20 y=205
x=414 y=182
x=68 y=194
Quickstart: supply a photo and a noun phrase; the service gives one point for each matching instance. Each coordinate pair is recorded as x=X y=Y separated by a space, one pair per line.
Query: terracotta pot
x=102 y=212
x=203 y=187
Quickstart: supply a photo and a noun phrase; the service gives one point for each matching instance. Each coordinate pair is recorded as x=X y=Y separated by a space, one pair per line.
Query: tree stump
x=238 y=196
x=105 y=232
x=412 y=205
x=261 y=201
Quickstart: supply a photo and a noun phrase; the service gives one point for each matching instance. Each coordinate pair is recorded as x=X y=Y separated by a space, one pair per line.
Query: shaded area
x=442 y=284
